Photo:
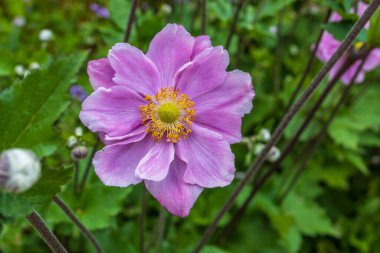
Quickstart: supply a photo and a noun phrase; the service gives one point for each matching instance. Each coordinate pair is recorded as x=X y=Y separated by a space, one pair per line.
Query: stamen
x=169 y=114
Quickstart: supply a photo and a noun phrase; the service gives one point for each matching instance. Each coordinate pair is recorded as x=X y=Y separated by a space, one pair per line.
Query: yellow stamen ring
x=168 y=114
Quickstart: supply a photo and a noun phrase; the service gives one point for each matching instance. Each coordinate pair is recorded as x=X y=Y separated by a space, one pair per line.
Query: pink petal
x=373 y=60
x=335 y=17
x=100 y=73
x=210 y=162
x=201 y=43
x=206 y=72
x=133 y=69
x=132 y=135
x=173 y=193
x=169 y=50
x=221 y=109
x=115 y=164
x=327 y=47
x=113 y=111
x=155 y=164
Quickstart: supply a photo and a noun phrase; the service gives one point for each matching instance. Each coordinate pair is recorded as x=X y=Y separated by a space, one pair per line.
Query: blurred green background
x=335 y=205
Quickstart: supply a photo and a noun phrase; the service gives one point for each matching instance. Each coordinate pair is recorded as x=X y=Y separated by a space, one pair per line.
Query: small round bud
x=259 y=148
x=45 y=35
x=78 y=131
x=274 y=154
x=273 y=29
x=19 y=170
x=19 y=21
x=34 y=66
x=166 y=8
x=79 y=153
x=264 y=135
x=71 y=141
x=20 y=70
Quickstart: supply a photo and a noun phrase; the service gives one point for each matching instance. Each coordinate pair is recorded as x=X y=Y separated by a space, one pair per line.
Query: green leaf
x=29 y=107
x=272 y=7
x=309 y=217
x=119 y=10
x=20 y=205
x=374 y=30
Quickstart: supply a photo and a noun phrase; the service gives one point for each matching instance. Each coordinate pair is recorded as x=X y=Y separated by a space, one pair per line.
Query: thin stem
x=76 y=175
x=46 y=234
x=130 y=21
x=69 y=213
x=287 y=118
x=321 y=136
x=239 y=6
x=88 y=166
x=204 y=17
x=288 y=148
x=142 y=219
x=308 y=65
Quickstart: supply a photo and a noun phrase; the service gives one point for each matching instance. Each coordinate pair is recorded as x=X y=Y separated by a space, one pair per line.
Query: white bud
x=20 y=70
x=293 y=49
x=166 y=8
x=78 y=131
x=46 y=35
x=34 y=66
x=264 y=135
x=79 y=153
x=274 y=154
x=259 y=148
x=71 y=141
x=314 y=9
x=19 y=21
x=19 y=170
x=273 y=29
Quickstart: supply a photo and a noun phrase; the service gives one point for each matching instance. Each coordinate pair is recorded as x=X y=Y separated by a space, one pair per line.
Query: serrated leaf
x=29 y=107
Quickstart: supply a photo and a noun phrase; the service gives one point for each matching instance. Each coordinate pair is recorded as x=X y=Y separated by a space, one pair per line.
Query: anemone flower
x=329 y=45
x=167 y=117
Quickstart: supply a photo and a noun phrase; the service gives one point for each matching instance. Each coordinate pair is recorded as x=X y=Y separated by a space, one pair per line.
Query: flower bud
x=79 y=153
x=274 y=154
x=71 y=141
x=45 y=35
x=259 y=148
x=19 y=170
x=264 y=135
x=78 y=131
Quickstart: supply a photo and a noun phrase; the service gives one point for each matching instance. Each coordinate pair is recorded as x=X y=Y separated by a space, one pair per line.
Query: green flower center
x=168 y=112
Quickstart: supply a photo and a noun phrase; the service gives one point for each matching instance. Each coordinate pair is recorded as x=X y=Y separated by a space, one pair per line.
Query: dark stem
x=204 y=17
x=89 y=165
x=308 y=65
x=76 y=175
x=287 y=118
x=130 y=21
x=288 y=148
x=323 y=133
x=142 y=219
x=239 y=6
x=46 y=234
x=69 y=213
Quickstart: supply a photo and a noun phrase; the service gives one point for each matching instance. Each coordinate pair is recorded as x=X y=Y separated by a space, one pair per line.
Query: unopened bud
x=264 y=135
x=79 y=153
x=19 y=170
x=78 y=131
x=71 y=141
x=259 y=148
x=274 y=154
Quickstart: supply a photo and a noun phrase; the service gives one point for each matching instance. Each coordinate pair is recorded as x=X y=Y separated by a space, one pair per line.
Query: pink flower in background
x=329 y=45
x=99 y=10
x=167 y=117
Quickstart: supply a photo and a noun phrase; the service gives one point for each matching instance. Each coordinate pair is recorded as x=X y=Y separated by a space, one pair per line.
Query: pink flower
x=329 y=45
x=167 y=117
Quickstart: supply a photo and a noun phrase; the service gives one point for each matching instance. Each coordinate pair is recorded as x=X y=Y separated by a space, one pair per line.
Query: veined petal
x=206 y=72
x=210 y=162
x=113 y=111
x=169 y=50
x=173 y=193
x=100 y=73
x=133 y=69
x=201 y=43
x=115 y=164
x=155 y=164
